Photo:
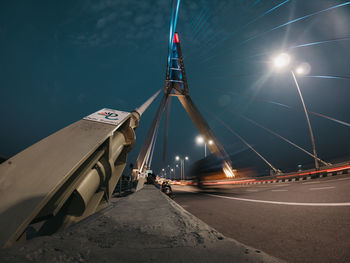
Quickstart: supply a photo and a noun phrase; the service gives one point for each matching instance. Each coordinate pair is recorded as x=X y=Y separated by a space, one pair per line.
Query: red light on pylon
x=176 y=38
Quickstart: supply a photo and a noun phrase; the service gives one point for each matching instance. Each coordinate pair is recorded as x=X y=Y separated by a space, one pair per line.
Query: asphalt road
x=305 y=221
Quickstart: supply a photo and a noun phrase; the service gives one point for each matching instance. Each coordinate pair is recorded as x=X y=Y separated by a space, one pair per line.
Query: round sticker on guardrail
x=109 y=116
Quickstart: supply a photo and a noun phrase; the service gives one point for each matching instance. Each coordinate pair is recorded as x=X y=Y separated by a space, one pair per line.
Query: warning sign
x=114 y=117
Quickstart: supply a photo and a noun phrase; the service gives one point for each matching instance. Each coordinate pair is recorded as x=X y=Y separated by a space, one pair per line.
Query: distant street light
x=172 y=171
x=182 y=163
x=176 y=166
x=200 y=140
x=283 y=61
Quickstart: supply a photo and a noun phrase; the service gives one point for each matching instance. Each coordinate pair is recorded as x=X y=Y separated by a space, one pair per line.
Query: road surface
x=305 y=221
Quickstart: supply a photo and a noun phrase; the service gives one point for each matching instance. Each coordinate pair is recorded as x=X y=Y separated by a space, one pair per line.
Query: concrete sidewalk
x=143 y=227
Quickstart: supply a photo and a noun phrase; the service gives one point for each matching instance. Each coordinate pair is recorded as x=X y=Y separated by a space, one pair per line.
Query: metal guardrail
x=125 y=185
x=67 y=176
x=332 y=170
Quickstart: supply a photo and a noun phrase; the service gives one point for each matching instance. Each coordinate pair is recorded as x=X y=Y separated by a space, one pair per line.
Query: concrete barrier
x=146 y=226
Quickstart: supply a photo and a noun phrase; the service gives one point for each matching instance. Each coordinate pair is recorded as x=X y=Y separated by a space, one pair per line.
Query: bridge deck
x=144 y=227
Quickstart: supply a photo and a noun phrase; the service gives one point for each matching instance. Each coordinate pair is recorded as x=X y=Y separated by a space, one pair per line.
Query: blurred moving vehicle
x=208 y=174
x=166 y=188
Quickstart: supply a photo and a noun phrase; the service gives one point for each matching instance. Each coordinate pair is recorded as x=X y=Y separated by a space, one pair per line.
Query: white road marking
x=251 y=190
x=322 y=188
x=342 y=179
x=279 y=190
x=312 y=183
x=281 y=203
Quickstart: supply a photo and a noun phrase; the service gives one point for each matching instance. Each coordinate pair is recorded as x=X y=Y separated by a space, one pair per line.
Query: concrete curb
x=146 y=226
x=296 y=179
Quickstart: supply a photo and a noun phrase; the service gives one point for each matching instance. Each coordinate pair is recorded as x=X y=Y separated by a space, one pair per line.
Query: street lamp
x=200 y=140
x=176 y=166
x=182 y=163
x=283 y=61
x=172 y=171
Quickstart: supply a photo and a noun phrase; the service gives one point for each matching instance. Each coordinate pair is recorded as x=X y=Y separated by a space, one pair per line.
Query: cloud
x=120 y=22
x=102 y=22
x=131 y=22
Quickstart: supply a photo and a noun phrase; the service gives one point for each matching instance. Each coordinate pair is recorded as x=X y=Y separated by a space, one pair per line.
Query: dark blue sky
x=61 y=61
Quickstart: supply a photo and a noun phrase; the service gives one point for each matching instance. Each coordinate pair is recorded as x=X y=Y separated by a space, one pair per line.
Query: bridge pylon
x=176 y=85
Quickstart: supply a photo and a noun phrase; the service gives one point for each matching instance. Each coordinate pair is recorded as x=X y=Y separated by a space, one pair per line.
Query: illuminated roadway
x=305 y=221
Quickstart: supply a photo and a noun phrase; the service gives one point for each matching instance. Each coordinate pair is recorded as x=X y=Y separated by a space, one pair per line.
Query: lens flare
x=281 y=61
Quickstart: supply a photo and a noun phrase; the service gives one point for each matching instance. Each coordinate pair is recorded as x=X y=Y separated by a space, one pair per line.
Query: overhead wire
x=239 y=29
x=244 y=142
x=293 y=21
x=283 y=138
x=297 y=109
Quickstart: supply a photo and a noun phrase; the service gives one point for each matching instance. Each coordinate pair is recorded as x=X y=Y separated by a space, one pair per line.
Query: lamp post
x=200 y=140
x=176 y=166
x=182 y=163
x=283 y=61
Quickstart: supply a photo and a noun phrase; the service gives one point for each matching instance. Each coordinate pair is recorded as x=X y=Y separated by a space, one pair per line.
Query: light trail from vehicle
x=280 y=203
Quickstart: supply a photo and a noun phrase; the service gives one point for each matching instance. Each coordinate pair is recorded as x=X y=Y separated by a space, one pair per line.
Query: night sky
x=62 y=60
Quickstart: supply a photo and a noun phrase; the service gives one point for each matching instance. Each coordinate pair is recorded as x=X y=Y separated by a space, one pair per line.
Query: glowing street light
x=283 y=61
x=303 y=69
x=299 y=70
x=200 y=140
x=182 y=163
